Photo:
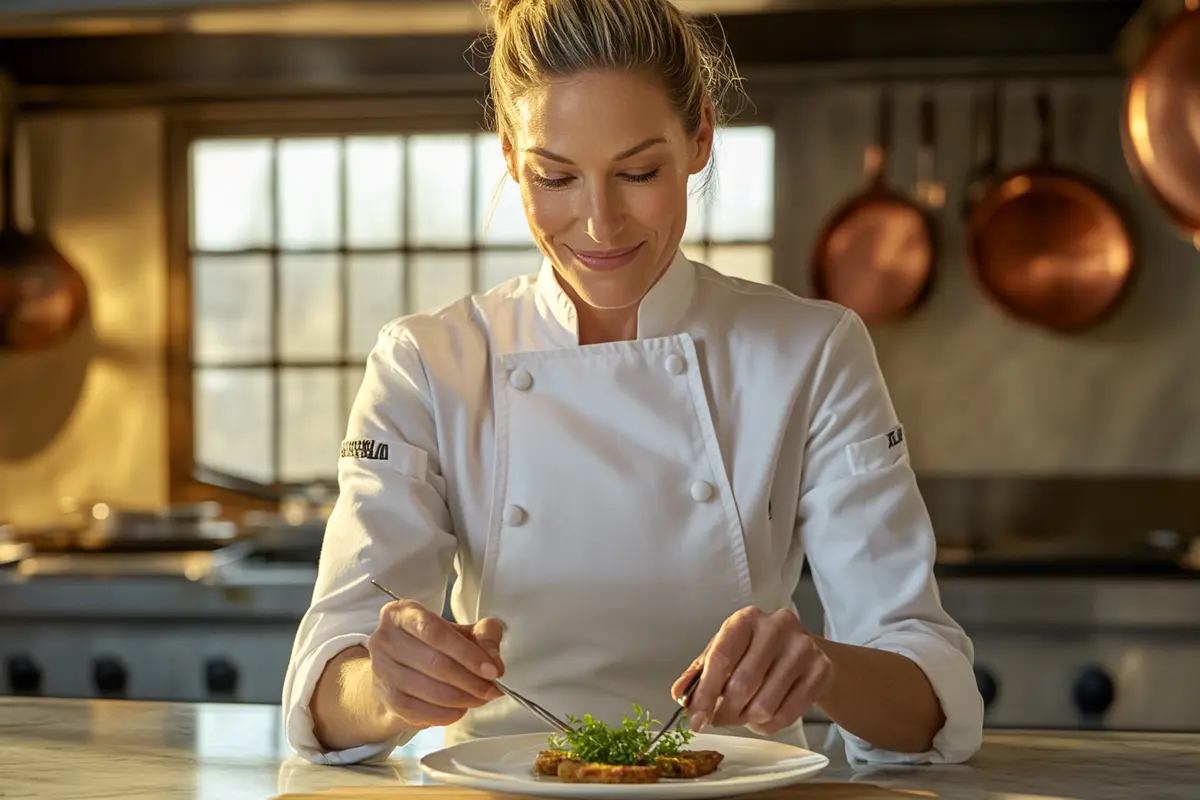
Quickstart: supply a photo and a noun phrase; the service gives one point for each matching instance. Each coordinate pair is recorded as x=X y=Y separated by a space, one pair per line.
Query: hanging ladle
x=42 y=297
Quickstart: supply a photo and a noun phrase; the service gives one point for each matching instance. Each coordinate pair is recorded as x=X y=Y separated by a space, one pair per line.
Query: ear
x=510 y=156
x=704 y=138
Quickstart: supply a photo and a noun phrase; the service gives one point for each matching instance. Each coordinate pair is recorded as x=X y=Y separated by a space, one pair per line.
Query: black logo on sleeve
x=367 y=449
x=895 y=437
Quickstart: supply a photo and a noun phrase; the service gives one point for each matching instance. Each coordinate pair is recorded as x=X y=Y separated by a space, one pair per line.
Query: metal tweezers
x=529 y=705
x=683 y=701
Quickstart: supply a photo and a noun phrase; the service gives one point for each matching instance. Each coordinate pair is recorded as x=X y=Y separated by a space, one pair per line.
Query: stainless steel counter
x=90 y=749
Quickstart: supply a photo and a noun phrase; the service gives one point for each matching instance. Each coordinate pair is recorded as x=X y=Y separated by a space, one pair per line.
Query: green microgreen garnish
x=596 y=743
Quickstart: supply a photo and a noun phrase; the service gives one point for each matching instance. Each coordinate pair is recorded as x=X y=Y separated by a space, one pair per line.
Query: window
x=301 y=248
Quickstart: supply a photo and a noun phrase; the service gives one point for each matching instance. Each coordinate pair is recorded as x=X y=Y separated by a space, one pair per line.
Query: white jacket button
x=520 y=380
x=702 y=491
x=675 y=364
x=514 y=515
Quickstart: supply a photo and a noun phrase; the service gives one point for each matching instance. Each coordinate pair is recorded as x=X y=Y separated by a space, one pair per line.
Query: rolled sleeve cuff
x=298 y=721
x=953 y=680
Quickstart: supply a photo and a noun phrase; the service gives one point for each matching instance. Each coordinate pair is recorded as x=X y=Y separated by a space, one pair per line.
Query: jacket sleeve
x=390 y=523
x=870 y=544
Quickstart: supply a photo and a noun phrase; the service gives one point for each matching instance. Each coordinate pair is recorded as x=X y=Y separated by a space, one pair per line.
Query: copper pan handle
x=929 y=190
x=985 y=151
x=875 y=160
x=8 y=148
x=1046 y=125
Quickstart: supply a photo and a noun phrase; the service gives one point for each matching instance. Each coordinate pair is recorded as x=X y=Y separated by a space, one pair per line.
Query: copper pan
x=1160 y=120
x=1048 y=244
x=875 y=253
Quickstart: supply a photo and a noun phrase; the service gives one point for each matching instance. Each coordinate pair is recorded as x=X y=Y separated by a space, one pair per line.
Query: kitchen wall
x=980 y=393
x=88 y=420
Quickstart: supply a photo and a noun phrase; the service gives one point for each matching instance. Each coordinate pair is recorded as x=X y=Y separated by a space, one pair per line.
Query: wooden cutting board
x=804 y=791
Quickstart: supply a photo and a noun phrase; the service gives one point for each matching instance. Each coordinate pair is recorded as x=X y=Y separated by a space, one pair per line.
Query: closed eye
x=562 y=183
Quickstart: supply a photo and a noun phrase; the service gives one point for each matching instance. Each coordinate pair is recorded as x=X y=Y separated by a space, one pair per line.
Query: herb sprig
x=595 y=742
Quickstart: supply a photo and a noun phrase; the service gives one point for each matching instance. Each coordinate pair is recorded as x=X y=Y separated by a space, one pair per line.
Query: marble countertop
x=92 y=749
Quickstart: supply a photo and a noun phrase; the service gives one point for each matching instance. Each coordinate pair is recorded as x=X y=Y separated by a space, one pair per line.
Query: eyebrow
x=624 y=154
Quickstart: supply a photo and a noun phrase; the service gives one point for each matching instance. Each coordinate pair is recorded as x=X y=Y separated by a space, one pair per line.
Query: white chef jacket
x=613 y=504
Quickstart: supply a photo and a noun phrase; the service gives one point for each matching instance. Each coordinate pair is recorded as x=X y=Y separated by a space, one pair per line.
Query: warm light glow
x=1019 y=185
x=1139 y=133
x=350 y=18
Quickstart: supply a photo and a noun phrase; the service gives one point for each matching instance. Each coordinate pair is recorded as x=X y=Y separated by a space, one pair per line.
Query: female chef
x=625 y=458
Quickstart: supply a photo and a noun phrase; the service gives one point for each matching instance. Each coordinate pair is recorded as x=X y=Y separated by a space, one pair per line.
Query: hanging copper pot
x=876 y=252
x=42 y=296
x=1160 y=120
x=1050 y=245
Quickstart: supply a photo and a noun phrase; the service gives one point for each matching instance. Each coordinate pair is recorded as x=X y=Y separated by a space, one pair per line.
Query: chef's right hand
x=429 y=671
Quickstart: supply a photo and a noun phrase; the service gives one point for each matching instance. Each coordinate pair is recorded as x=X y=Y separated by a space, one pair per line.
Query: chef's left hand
x=763 y=671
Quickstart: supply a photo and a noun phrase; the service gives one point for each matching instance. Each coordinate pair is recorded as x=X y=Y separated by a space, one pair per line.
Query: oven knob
x=220 y=676
x=1093 y=691
x=988 y=687
x=24 y=675
x=110 y=676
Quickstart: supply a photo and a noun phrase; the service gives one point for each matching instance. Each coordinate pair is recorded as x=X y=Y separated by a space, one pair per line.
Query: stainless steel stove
x=161 y=605
x=1061 y=642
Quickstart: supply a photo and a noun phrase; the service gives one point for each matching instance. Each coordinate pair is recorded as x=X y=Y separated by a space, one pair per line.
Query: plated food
x=597 y=753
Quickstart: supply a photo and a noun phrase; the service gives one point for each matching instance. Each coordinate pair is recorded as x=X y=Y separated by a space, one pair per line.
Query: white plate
x=505 y=764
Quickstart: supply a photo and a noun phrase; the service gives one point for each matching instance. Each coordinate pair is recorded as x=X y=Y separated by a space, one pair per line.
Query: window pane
x=310 y=307
x=352 y=378
x=439 y=279
x=744 y=202
x=309 y=193
x=695 y=252
x=231 y=302
x=234 y=422
x=375 y=178
x=749 y=262
x=376 y=297
x=231 y=194
x=497 y=197
x=312 y=423
x=440 y=189
x=497 y=266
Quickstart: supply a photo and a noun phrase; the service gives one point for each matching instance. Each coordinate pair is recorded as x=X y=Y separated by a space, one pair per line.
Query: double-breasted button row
x=514 y=516
x=521 y=379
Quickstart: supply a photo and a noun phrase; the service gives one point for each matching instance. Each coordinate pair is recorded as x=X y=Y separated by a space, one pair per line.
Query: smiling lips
x=603 y=260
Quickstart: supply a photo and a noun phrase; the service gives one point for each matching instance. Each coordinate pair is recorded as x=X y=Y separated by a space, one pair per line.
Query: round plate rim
x=675 y=790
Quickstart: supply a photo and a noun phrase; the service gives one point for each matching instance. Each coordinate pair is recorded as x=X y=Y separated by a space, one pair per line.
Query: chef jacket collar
x=658 y=314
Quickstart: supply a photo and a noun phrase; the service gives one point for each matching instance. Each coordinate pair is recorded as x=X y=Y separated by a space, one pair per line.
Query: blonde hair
x=535 y=41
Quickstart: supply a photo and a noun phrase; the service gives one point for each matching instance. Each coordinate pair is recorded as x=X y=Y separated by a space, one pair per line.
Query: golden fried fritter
x=689 y=764
x=572 y=771
x=547 y=762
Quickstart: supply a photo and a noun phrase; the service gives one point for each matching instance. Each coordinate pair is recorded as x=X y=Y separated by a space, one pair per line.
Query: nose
x=604 y=214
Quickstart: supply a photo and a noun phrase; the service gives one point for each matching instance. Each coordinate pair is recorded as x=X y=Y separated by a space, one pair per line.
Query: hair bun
x=501 y=9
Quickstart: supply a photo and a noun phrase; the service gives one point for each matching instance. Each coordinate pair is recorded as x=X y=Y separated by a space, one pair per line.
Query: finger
x=727 y=649
x=793 y=665
x=438 y=633
x=487 y=633
x=766 y=643
x=408 y=651
x=681 y=683
x=433 y=691
x=416 y=713
x=798 y=700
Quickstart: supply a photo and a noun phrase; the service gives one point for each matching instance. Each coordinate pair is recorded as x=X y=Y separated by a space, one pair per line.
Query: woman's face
x=603 y=162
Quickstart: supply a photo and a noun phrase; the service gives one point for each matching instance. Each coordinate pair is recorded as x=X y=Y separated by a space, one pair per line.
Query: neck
x=601 y=325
